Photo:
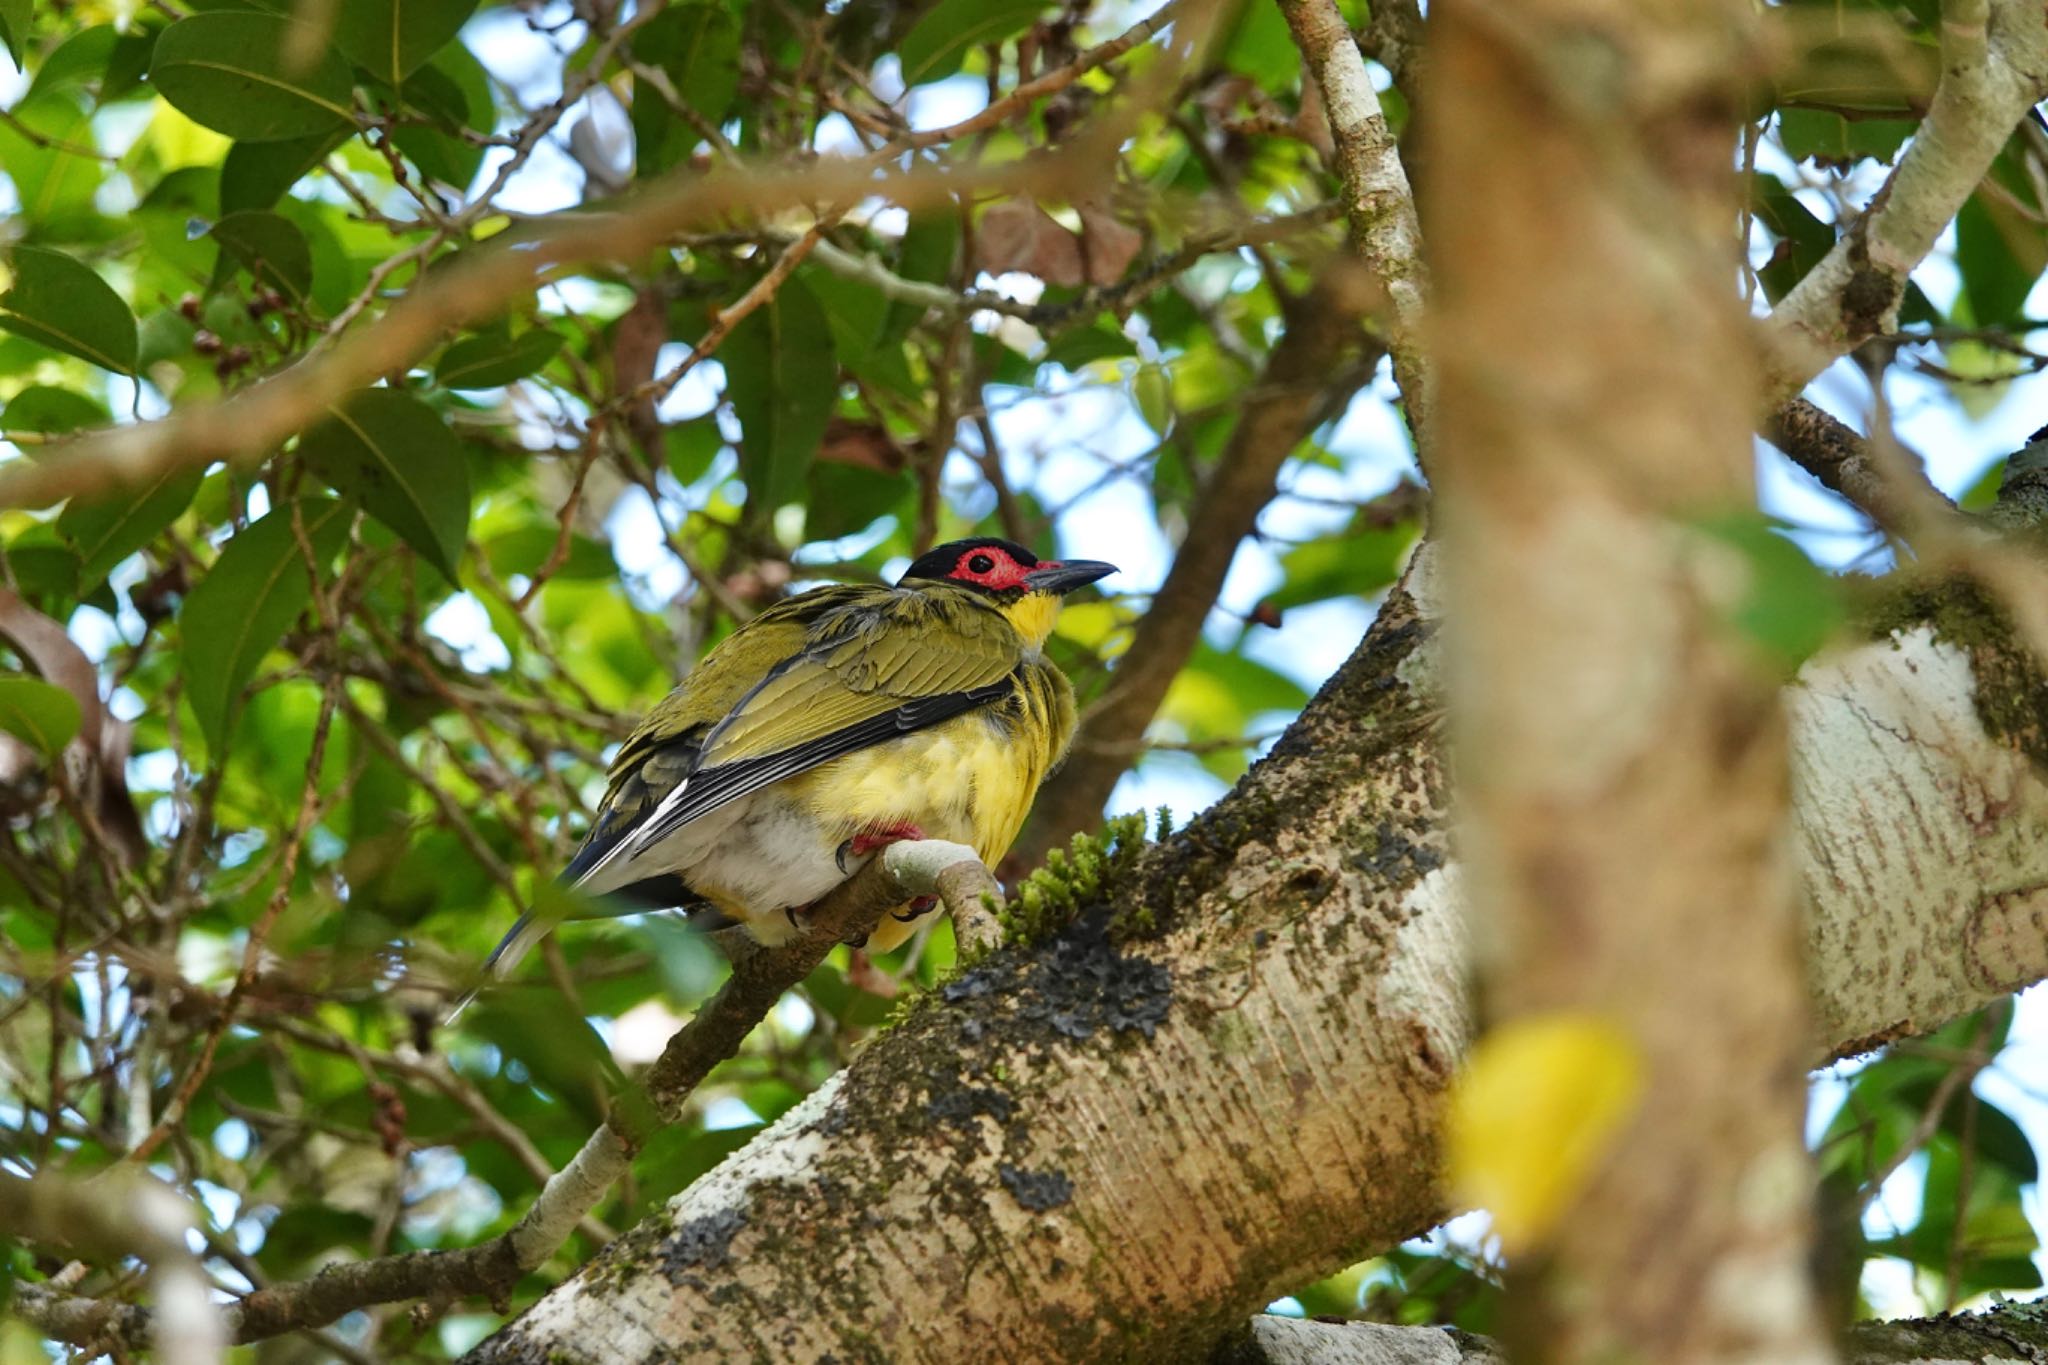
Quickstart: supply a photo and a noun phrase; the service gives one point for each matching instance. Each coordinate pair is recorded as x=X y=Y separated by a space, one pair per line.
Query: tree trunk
x=1621 y=747
x=1088 y=1149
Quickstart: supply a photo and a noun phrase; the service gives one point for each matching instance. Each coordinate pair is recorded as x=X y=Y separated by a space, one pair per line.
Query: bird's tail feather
x=511 y=948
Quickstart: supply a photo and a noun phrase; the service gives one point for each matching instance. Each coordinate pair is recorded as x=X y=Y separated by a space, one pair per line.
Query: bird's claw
x=921 y=906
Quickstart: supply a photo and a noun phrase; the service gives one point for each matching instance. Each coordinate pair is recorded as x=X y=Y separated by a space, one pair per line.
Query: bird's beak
x=1063 y=577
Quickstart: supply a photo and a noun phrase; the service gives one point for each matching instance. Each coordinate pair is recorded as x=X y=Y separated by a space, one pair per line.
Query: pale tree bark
x=1622 y=753
x=2017 y=1334
x=1018 y=1171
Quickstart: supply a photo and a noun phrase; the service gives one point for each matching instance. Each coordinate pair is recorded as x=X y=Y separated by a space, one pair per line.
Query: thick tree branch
x=1245 y=1096
x=2016 y=1333
x=1994 y=68
x=1311 y=374
x=1895 y=494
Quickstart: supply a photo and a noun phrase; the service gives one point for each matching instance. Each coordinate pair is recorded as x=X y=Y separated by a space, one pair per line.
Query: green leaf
x=391 y=39
x=1788 y=607
x=697 y=46
x=107 y=530
x=492 y=358
x=1260 y=46
x=64 y=304
x=15 y=17
x=782 y=378
x=2000 y=256
x=455 y=91
x=395 y=454
x=1362 y=561
x=50 y=411
x=227 y=71
x=41 y=715
x=270 y=248
x=247 y=601
x=936 y=45
x=78 y=61
x=256 y=174
x=56 y=187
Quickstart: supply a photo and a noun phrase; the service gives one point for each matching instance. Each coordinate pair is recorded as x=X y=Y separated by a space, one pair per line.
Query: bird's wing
x=869 y=665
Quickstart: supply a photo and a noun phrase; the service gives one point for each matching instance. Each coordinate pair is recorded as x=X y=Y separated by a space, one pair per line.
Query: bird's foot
x=923 y=905
x=875 y=837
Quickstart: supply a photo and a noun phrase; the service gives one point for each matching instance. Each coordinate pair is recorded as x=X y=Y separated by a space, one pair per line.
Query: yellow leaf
x=1537 y=1107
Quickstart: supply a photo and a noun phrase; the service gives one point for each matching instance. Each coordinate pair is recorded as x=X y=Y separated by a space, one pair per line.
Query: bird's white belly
x=777 y=848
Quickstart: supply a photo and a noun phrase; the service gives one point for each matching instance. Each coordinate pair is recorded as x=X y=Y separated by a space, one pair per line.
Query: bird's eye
x=981 y=563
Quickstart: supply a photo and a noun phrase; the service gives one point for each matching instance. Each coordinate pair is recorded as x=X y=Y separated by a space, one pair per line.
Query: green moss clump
x=1072 y=877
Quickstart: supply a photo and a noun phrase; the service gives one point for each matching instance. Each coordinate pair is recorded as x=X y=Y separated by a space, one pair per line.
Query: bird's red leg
x=876 y=836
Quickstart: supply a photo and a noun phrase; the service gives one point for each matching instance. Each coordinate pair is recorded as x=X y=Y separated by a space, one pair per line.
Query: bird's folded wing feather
x=878 y=667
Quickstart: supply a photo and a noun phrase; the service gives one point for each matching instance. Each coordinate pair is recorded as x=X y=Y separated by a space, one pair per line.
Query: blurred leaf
x=556 y=1045
x=1359 y=563
x=2000 y=256
x=697 y=46
x=227 y=72
x=16 y=16
x=395 y=454
x=493 y=358
x=61 y=303
x=41 y=715
x=941 y=40
x=1786 y=607
x=1535 y=1110
x=51 y=411
x=242 y=606
x=1260 y=46
x=781 y=378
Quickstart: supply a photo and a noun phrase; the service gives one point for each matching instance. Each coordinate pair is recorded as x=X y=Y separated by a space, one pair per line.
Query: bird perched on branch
x=831 y=725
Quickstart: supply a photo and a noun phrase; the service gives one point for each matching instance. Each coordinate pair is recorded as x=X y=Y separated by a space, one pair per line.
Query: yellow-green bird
x=831 y=725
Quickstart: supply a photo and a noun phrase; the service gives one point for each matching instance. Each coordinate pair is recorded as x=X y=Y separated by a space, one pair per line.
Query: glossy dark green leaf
x=491 y=359
x=395 y=454
x=270 y=248
x=257 y=174
x=63 y=303
x=941 y=40
x=780 y=376
x=41 y=715
x=391 y=39
x=106 y=530
x=244 y=604
x=227 y=72
x=454 y=91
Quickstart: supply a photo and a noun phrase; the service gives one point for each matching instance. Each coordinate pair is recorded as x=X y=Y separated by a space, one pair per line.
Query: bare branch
x=902 y=872
x=1379 y=203
x=1994 y=68
x=120 y=1215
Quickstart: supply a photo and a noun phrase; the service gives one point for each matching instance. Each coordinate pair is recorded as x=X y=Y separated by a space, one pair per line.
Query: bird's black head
x=1002 y=568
